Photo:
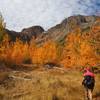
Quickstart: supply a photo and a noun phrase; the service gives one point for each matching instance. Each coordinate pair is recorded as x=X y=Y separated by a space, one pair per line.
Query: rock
x=59 y=32
x=34 y=31
x=13 y=35
x=26 y=34
x=51 y=65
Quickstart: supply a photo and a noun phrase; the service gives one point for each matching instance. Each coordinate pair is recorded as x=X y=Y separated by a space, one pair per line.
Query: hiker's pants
x=88 y=94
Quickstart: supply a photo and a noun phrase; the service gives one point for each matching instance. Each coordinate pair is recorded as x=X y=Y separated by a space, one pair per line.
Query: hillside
x=58 y=32
x=74 y=42
x=68 y=25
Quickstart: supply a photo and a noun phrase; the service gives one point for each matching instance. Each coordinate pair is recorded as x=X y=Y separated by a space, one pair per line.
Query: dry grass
x=45 y=85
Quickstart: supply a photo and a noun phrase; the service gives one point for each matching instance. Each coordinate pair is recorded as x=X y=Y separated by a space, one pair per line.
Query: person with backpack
x=88 y=82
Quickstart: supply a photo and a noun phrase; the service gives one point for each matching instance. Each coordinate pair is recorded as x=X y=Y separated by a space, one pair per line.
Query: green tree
x=2 y=27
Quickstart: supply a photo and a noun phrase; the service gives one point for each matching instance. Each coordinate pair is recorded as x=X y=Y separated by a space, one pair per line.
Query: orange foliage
x=80 y=48
x=46 y=53
x=19 y=52
x=79 y=51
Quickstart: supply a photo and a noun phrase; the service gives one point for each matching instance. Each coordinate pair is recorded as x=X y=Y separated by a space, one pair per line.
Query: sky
x=19 y=14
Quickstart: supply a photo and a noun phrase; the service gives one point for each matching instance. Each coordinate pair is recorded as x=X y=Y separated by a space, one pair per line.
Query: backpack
x=88 y=82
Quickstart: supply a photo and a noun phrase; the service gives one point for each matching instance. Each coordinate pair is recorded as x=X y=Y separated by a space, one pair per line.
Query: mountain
x=34 y=31
x=26 y=34
x=57 y=33
x=68 y=25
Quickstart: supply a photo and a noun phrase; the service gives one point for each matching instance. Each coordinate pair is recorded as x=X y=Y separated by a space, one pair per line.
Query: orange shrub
x=79 y=51
x=46 y=53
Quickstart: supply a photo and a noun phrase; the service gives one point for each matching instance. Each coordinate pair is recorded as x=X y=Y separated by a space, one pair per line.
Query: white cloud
x=47 y=13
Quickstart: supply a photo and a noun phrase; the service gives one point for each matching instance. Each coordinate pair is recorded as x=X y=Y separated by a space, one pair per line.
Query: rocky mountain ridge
x=56 y=33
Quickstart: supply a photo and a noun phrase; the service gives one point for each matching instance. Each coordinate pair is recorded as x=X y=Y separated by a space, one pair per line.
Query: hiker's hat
x=87 y=69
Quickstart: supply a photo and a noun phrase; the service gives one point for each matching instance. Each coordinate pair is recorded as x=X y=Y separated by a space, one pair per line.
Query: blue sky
x=19 y=14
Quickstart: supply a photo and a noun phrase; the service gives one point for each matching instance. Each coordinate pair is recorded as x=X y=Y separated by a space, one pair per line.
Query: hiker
x=88 y=82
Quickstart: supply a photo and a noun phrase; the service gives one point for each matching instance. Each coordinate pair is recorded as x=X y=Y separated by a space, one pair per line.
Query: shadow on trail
x=97 y=95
